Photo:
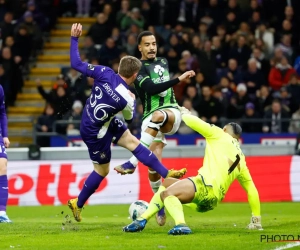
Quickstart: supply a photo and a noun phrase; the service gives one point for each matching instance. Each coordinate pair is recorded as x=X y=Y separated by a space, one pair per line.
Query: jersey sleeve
x=84 y=68
x=208 y=131
x=245 y=180
x=129 y=109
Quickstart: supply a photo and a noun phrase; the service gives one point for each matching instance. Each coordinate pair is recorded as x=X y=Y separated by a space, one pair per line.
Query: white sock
x=155 y=185
x=2 y=213
x=146 y=140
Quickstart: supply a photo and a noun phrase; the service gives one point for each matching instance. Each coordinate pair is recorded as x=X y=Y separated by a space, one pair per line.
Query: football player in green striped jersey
x=161 y=114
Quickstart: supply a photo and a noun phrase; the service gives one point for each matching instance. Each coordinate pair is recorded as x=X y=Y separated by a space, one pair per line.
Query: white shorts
x=160 y=137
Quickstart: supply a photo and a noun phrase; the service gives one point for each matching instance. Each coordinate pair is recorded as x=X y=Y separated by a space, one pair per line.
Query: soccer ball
x=137 y=208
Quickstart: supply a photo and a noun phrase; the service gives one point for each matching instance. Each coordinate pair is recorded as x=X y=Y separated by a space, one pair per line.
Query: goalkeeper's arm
x=198 y=125
x=253 y=198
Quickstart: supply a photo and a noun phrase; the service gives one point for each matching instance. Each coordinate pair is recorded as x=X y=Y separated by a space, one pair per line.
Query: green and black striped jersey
x=158 y=71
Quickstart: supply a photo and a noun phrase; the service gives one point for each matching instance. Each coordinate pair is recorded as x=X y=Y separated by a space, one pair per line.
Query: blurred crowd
x=23 y=26
x=245 y=54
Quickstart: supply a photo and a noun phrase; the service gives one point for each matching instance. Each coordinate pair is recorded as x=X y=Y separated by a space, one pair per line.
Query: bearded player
x=223 y=162
x=161 y=114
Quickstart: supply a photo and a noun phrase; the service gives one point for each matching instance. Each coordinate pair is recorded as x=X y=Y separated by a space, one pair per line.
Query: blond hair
x=129 y=65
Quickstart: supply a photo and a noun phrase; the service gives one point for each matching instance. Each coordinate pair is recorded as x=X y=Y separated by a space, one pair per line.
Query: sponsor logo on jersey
x=139 y=78
x=161 y=79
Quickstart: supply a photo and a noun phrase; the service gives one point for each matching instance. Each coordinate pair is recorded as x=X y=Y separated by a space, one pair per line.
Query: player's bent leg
x=3 y=191
x=147 y=157
x=150 y=127
x=174 y=196
x=90 y=186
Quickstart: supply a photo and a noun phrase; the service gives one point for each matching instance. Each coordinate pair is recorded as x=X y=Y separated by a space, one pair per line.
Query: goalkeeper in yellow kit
x=224 y=162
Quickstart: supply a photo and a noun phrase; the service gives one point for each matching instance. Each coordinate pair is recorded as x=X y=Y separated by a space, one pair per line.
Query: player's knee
x=165 y=194
x=159 y=119
x=158 y=116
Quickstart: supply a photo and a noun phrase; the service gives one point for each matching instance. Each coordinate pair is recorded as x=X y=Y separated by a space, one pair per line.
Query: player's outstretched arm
x=153 y=89
x=247 y=183
x=76 y=63
x=198 y=125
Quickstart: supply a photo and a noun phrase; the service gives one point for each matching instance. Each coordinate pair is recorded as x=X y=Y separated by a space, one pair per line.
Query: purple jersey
x=3 y=123
x=109 y=96
x=3 y=118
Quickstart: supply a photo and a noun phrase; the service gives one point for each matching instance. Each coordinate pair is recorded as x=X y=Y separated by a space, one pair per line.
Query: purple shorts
x=100 y=148
x=2 y=150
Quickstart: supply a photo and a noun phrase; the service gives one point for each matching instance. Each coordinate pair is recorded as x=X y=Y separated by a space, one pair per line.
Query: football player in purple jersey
x=4 y=143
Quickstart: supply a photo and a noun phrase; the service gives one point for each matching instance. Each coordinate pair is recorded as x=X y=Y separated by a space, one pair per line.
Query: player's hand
x=255 y=223
x=184 y=111
x=187 y=75
x=76 y=30
x=6 y=142
x=131 y=94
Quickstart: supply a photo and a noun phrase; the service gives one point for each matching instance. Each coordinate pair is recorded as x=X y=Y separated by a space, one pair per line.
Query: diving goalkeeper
x=224 y=162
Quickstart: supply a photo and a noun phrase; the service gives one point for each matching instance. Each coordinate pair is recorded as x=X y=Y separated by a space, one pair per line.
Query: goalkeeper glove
x=255 y=223
x=184 y=111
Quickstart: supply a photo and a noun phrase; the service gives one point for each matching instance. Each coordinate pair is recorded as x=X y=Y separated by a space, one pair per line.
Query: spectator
x=249 y=125
x=131 y=45
x=74 y=117
x=207 y=63
x=133 y=17
x=7 y=26
x=262 y=63
x=58 y=97
x=286 y=46
x=191 y=93
x=294 y=89
x=232 y=72
x=273 y=117
x=109 y=52
x=219 y=52
x=7 y=70
x=34 y=31
x=45 y=124
x=267 y=36
x=295 y=122
x=181 y=86
x=280 y=74
x=253 y=78
x=89 y=49
x=191 y=61
x=23 y=42
x=241 y=51
x=37 y=15
x=83 y=8
x=263 y=100
x=209 y=109
x=123 y=12
x=184 y=129
x=242 y=99
x=99 y=31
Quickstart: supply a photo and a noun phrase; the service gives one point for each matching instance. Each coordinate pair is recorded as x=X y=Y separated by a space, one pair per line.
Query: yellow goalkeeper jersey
x=224 y=160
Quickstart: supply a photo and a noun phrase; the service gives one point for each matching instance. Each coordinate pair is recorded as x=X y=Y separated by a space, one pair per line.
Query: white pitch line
x=288 y=246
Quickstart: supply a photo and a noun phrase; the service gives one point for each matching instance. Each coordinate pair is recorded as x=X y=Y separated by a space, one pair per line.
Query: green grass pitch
x=101 y=228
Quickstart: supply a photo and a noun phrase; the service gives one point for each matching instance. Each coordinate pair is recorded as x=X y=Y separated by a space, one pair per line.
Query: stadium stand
x=245 y=54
